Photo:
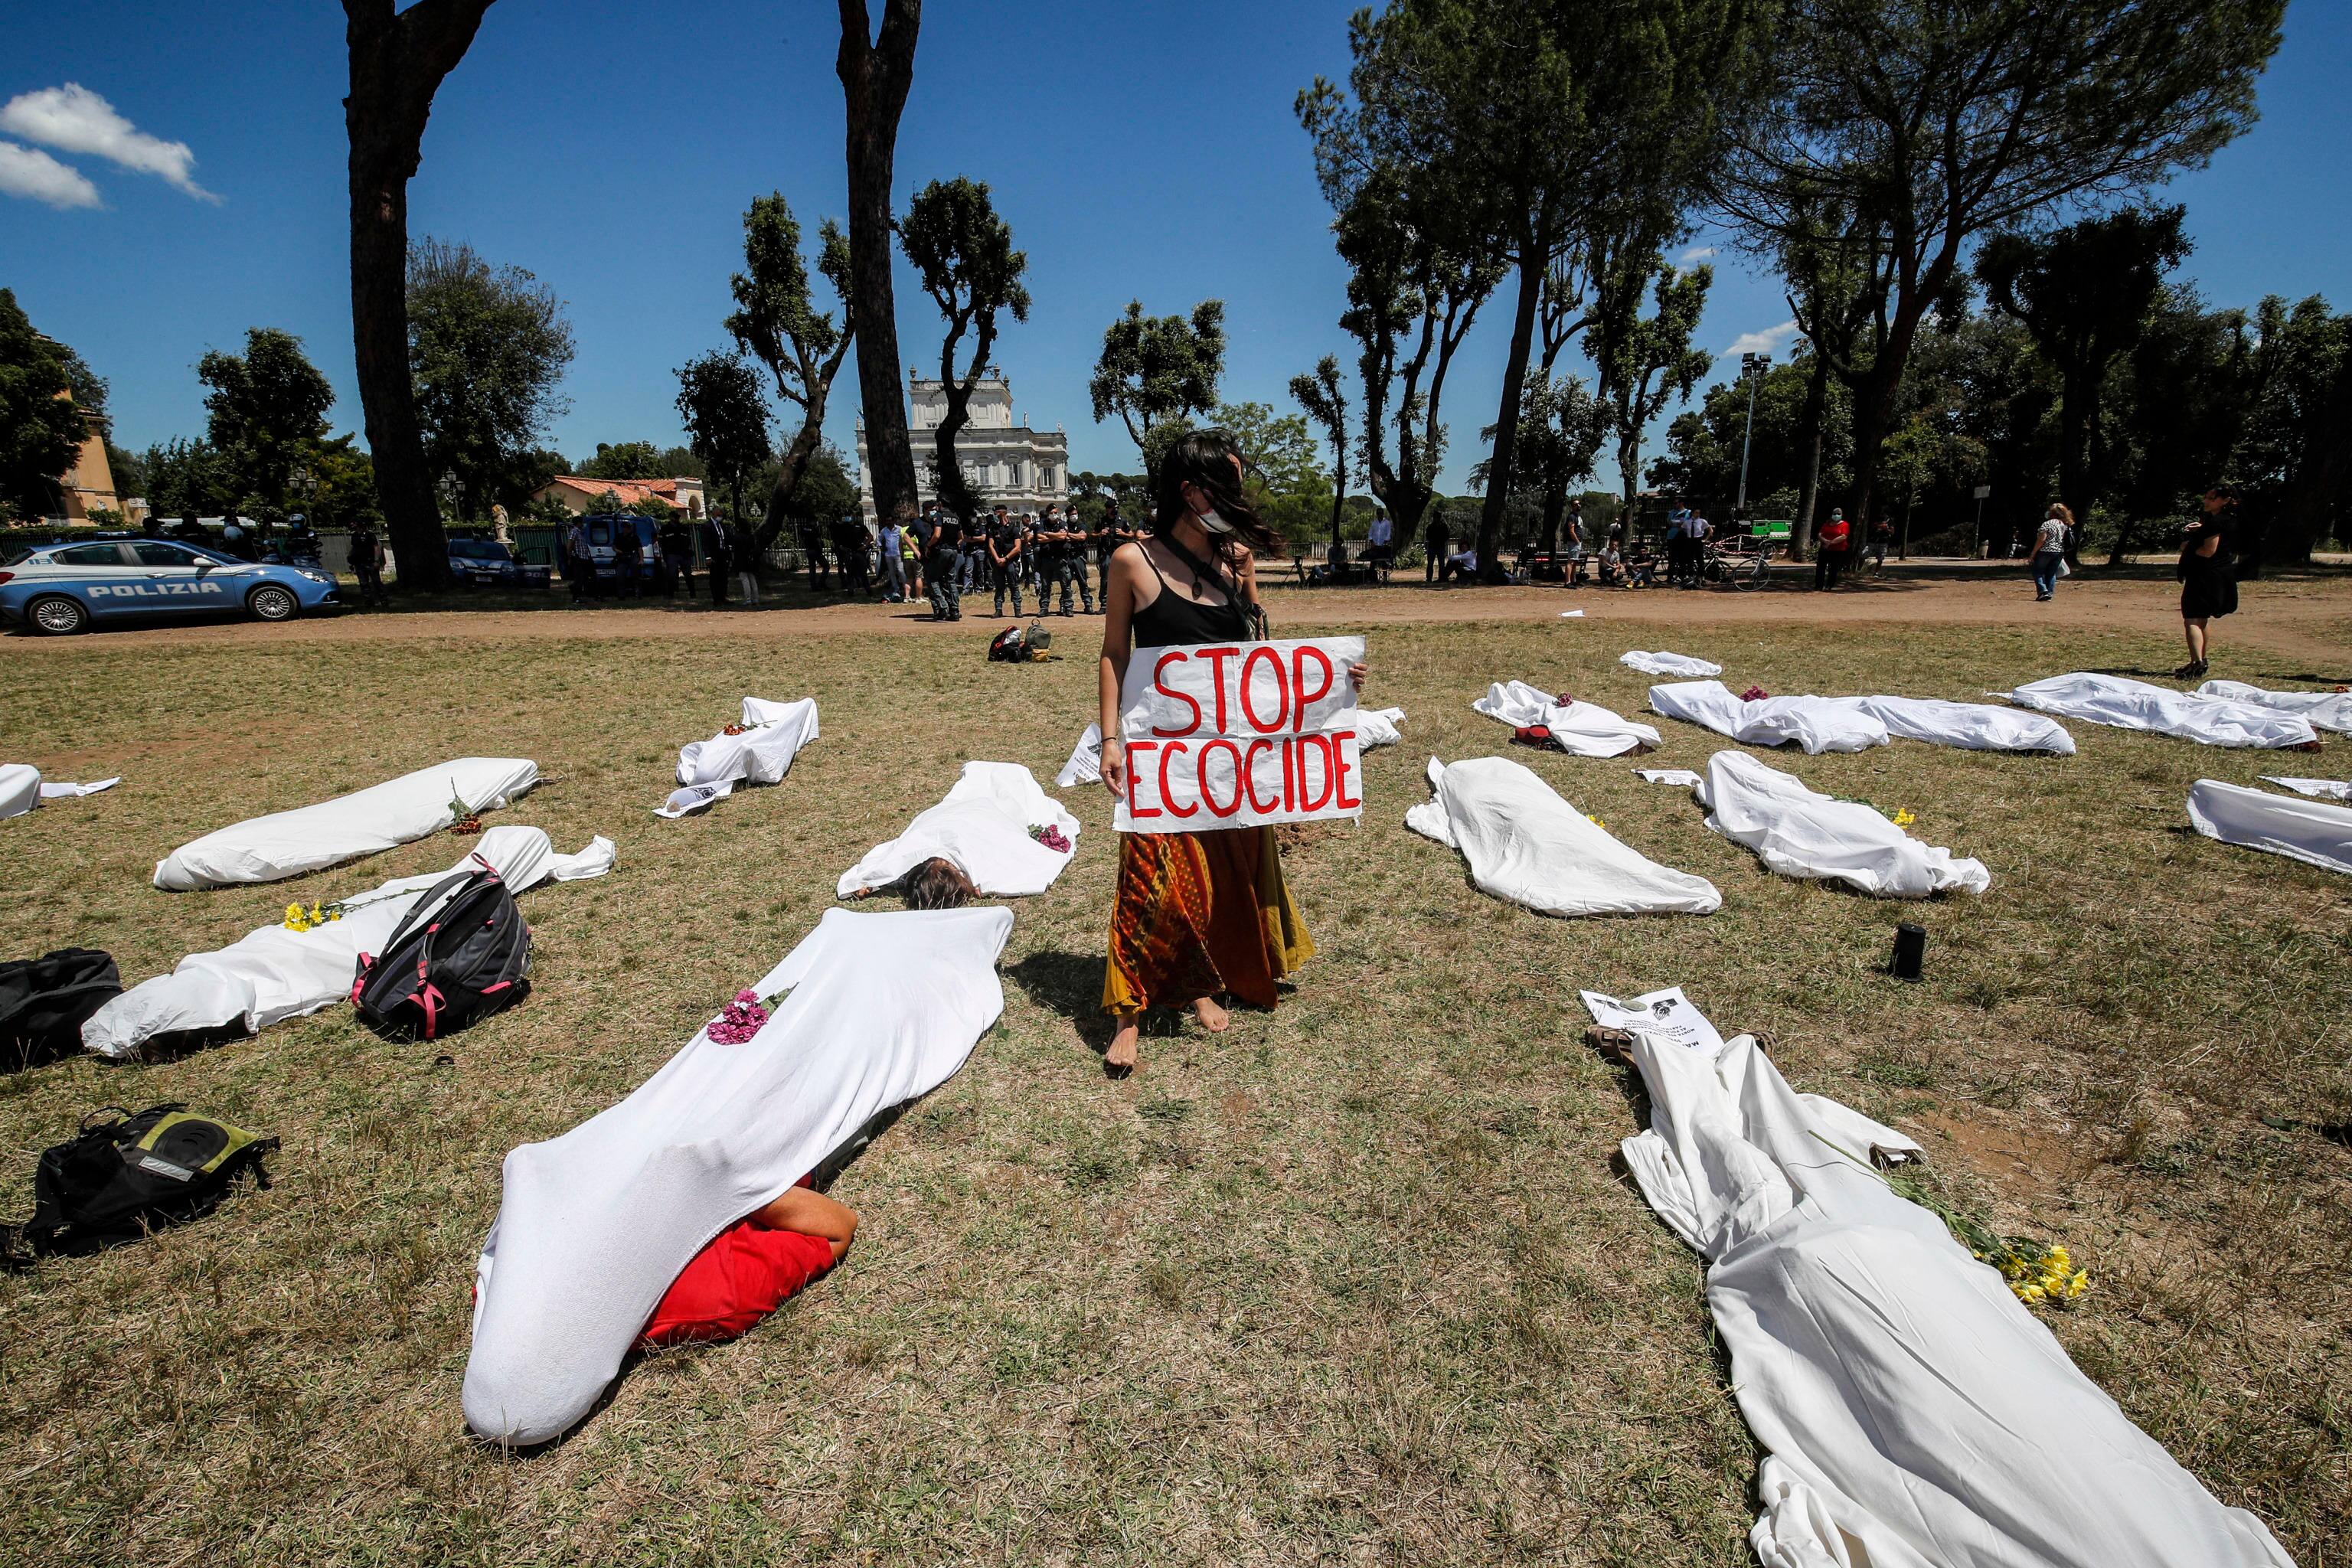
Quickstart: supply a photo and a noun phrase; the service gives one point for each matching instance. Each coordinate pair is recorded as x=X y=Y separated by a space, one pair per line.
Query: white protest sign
x=1667 y=1014
x=1239 y=735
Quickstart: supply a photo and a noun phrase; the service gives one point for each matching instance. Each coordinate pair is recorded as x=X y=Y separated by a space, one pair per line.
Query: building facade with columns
x=1003 y=460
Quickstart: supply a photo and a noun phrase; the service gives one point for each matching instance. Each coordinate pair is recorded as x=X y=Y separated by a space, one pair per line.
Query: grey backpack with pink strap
x=462 y=953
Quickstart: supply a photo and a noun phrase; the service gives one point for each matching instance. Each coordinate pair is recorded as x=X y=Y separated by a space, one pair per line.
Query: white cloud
x=75 y=119
x=1762 y=342
x=24 y=172
x=1695 y=253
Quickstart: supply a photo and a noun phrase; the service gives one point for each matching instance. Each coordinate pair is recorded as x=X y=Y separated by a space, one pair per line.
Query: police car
x=59 y=589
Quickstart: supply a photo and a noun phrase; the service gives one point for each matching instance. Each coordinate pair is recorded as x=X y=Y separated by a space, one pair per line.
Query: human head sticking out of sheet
x=939 y=883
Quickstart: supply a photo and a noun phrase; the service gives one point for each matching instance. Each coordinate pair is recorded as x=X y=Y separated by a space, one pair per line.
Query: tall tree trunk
x=1507 y=418
x=874 y=77
x=1339 y=505
x=2077 y=417
x=397 y=62
x=1817 y=408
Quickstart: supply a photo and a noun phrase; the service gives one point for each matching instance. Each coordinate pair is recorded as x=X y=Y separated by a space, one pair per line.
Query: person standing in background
x=743 y=551
x=945 y=569
x=1829 y=549
x=1005 y=543
x=1436 y=540
x=1379 y=540
x=2209 y=577
x=367 y=565
x=1571 y=536
x=579 y=567
x=894 y=569
x=676 y=555
x=2050 y=552
x=712 y=536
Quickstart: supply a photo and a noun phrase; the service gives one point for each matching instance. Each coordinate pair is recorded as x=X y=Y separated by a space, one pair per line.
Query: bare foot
x=1119 y=1060
x=1213 y=1017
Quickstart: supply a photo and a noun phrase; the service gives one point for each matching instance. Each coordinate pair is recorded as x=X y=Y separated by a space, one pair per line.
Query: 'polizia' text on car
x=59 y=589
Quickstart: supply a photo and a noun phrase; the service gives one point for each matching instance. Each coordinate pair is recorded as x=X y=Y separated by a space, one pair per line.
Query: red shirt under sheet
x=738 y=1279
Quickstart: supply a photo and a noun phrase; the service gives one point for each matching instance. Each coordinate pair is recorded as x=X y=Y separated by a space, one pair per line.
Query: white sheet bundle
x=2308 y=830
x=1800 y=832
x=1967 y=726
x=272 y=973
x=22 y=789
x=1527 y=845
x=365 y=822
x=1373 y=726
x=2317 y=789
x=983 y=827
x=594 y=1225
x=2159 y=710
x=709 y=771
x=1580 y=728
x=1914 y=1413
x=1816 y=724
x=2324 y=709
x=1663 y=663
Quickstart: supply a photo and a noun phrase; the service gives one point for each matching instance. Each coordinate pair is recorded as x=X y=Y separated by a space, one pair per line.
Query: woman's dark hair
x=939 y=884
x=1210 y=461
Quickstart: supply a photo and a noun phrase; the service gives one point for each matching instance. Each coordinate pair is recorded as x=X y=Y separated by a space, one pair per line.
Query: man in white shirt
x=1379 y=546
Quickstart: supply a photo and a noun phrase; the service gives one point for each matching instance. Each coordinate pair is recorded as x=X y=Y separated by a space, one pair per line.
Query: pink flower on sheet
x=739 y=1020
x=1052 y=838
x=1564 y=701
x=1754 y=694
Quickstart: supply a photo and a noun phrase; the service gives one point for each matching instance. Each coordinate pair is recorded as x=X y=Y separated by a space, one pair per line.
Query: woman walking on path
x=1195 y=913
x=2049 y=551
x=2208 y=583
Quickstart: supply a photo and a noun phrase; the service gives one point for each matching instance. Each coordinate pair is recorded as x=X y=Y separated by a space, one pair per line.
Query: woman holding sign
x=1195 y=913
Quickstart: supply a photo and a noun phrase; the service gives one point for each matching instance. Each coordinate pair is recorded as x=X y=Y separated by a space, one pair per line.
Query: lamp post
x=1751 y=371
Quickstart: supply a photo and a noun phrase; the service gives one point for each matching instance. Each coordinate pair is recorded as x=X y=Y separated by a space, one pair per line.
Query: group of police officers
x=947 y=557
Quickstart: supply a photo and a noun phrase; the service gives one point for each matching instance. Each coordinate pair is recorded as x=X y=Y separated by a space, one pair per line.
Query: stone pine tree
x=1415 y=288
x=1945 y=122
x=398 y=59
x=1156 y=369
x=726 y=418
x=1645 y=361
x=777 y=323
x=265 y=410
x=41 y=430
x=1326 y=402
x=964 y=253
x=2083 y=292
x=875 y=72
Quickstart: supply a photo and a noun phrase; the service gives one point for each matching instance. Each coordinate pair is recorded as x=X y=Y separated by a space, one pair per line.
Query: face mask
x=1213 y=524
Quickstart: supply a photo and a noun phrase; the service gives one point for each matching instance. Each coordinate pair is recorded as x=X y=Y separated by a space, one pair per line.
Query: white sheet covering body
x=2136 y=705
x=1914 y=1413
x=272 y=973
x=2311 y=831
x=1529 y=847
x=365 y=822
x=2325 y=710
x=1373 y=727
x=2317 y=789
x=709 y=770
x=1966 y=726
x=22 y=788
x=1663 y=663
x=1580 y=728
x=594 y=1225
x=983 y=827
x=1816 y=724
x=1798 y=831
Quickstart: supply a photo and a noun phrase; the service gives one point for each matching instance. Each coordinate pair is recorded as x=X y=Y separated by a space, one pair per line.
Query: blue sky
x=1144 y=149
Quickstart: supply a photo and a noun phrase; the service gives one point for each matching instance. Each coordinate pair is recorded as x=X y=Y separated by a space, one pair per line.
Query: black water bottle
x=1910 y=947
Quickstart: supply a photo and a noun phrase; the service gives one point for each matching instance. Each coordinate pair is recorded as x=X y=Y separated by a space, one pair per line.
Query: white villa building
x=1003 y=461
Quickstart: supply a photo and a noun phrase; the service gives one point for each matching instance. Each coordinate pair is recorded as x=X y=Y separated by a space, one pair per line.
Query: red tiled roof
x=629 y=490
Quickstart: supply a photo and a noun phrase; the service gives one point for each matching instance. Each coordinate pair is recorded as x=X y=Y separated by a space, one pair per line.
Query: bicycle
x=1743 y=568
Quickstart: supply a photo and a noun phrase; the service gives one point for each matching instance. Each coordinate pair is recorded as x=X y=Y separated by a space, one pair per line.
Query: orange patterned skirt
x=1198 y=913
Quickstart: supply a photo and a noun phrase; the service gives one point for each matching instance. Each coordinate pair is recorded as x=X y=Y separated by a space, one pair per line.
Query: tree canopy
x=777 y=323
x=726 y=416
x=964 y=253
x=41 y=431
x=1155 y=368
x=266 y=414
x=487 y=351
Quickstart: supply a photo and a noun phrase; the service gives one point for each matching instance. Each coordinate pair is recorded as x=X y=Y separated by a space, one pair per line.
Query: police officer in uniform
x=944 y=568
x=1005 y=544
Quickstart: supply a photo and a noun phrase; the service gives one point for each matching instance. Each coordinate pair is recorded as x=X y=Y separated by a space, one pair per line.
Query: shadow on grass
x=1070 y=984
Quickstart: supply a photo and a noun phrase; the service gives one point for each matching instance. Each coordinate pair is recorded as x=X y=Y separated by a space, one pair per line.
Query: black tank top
x=1170 y=621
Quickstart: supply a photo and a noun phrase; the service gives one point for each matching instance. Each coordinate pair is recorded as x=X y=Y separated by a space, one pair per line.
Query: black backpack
x=1006 y=646
x=462 y=953
x=45 y=1001
x=122 y=1178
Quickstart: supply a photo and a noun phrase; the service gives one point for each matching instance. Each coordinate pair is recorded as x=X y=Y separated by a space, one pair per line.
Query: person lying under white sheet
x=759 y=751
x=276 y=973
x=597 y=1228
x=1580 y=728
x=1529 y=847
x=1798 y=831
x=2159 y=710
x=983 y=826
x=364 y=822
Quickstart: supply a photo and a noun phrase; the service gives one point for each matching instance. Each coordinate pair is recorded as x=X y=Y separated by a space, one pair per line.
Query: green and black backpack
x=127 y=1175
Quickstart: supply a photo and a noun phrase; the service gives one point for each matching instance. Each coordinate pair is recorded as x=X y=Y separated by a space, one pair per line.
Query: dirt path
x=2305 y=620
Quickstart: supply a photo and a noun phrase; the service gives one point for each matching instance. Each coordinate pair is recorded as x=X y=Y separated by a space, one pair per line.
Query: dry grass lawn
x=1361 y=1280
